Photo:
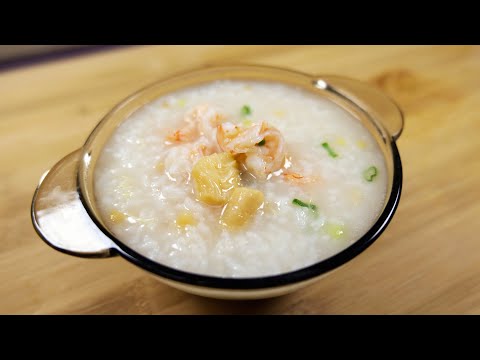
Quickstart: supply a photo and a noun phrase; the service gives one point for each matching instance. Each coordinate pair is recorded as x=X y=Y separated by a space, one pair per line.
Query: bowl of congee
x=234 y=182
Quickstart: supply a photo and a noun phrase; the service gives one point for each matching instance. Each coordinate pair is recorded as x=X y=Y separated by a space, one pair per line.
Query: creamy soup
x=240 y=179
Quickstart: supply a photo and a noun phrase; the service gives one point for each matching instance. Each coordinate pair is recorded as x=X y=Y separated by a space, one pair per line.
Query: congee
x=240 y=179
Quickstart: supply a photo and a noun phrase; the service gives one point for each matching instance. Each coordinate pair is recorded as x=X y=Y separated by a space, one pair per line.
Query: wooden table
x=427 y=261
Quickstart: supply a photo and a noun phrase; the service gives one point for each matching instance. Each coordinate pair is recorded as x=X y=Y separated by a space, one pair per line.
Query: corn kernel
x=117 y=217
x=361 y=144
x=185 y=218
x=340 y=141
x=160 y=167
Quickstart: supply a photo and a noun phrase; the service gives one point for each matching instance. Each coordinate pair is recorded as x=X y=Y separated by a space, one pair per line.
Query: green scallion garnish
x=246 y=110
x=302 y=204
x=335 y=231
x=370 y=173
x=261 y=143
x=330 y=151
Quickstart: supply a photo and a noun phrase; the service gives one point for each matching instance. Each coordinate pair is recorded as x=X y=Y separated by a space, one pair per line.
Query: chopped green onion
x=370 y=173
x=247 y=122
x=246 y=110
x=261 y=143
x=302 y=204
x=335 y=231
x=330 y=151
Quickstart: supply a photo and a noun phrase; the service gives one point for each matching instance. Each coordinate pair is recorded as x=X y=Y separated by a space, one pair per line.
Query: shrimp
x=183 y=135
x=201 y=121
x=296 y=174
x=201 y=147
x=260 y=160
x=193 y=141
x=179 y=160
x=297 y=178
x=207 y=119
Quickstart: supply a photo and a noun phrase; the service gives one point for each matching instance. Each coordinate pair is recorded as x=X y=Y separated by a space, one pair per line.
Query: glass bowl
x=65 y=215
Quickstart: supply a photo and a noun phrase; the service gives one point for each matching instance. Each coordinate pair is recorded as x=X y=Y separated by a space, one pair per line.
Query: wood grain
x=427 y=261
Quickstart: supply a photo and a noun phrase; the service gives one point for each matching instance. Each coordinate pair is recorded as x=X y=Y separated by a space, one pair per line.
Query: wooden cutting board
x=427 y=261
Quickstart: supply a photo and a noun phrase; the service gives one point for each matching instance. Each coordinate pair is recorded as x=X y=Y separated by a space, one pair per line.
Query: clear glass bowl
x=65 y=215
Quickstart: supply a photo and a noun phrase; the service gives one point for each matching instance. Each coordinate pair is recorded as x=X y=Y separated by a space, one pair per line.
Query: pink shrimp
x=297 y=178
x=201 y=121
x=262 y=144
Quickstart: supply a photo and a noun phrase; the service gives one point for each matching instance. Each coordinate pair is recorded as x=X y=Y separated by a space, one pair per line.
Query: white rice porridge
x=321 y=183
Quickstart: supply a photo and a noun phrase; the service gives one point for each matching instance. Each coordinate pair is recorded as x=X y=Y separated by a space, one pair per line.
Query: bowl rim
x=261 y=282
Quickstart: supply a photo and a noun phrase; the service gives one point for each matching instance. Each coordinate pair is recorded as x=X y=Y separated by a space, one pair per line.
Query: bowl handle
x=369 y=98
x=59 y=216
